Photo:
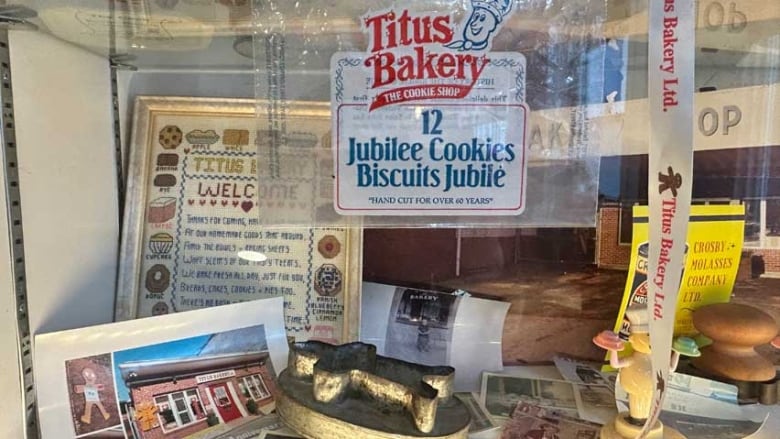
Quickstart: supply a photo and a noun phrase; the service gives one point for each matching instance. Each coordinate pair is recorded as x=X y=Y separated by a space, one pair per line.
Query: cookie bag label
x=427 y=121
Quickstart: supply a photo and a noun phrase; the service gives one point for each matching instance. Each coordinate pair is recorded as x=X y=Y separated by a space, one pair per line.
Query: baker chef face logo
x=485 y=19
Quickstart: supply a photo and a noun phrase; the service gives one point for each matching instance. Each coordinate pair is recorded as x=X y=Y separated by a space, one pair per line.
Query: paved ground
x=225 y=431
x=557 y=309
x=245 y=430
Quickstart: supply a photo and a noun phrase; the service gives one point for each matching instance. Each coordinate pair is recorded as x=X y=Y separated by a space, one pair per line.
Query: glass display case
x=444 y=179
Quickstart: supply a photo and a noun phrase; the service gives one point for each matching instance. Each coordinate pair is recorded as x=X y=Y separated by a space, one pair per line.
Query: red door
x=225 y=403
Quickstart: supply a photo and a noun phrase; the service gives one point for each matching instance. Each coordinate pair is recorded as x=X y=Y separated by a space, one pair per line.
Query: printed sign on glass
x=428 y=121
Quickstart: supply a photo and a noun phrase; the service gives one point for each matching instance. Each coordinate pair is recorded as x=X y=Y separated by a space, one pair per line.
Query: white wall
x=68 y=185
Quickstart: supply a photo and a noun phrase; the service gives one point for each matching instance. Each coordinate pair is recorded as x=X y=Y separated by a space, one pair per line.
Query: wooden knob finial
x=735 y=331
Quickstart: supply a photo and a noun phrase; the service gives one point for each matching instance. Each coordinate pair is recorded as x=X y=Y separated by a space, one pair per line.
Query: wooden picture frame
x=192 y=237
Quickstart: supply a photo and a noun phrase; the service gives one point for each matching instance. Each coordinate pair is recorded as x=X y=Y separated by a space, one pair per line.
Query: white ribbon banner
x=670 y=97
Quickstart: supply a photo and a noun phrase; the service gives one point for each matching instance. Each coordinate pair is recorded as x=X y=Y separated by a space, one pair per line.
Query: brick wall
x=771 y=259
x=609 y=253
x=268 y=380
x=147 y=394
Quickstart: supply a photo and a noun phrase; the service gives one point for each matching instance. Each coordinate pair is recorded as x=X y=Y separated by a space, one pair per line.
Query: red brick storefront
x=611 y=254
x=176 y=398
x=771 y=259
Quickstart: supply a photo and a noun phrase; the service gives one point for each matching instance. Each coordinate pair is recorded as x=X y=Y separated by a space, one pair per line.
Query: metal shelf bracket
x=8 y=159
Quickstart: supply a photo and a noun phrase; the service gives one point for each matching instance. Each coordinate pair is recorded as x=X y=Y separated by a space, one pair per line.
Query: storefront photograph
x=190 y=387
x=566 y=283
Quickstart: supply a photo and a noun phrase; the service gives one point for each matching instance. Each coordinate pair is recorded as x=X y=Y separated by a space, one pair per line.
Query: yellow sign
x=714 y=247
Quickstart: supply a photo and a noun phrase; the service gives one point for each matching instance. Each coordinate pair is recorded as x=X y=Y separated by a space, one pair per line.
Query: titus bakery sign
x=427 y=120
x=405 y=48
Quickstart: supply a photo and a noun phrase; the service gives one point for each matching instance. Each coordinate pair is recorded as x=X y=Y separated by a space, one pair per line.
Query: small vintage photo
x=595 y=403
x=502 y=393
x=596 y=396
x=530 y=427
x=92 y=394
x=480 y=418
x=219 y=382
x=421 y=325
x=277 y=435
x=580 y=372
x=699 y=427
x=588 y=375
